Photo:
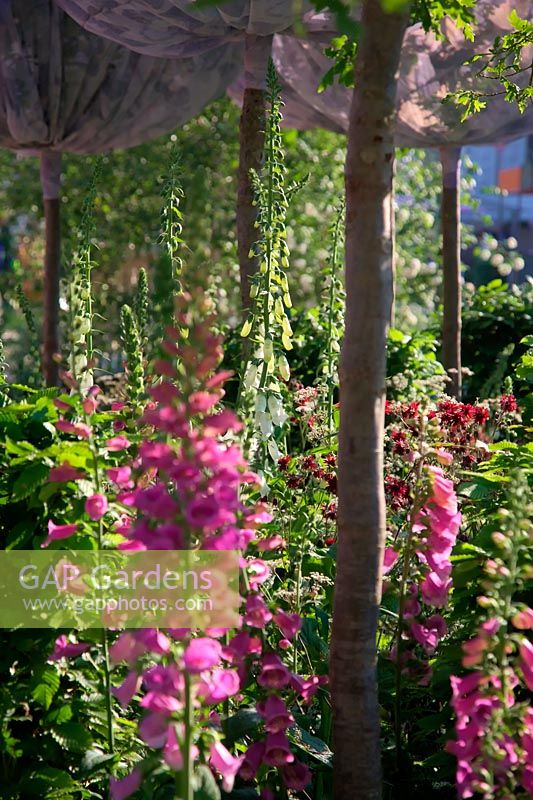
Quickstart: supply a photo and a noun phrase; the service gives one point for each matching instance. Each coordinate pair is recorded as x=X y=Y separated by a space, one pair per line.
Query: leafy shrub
x=496 y=318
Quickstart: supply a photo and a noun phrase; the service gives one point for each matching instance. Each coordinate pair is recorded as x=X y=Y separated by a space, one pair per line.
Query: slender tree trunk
x=451 y=265
x=393 y=244
x=369 y=288
x=252 y=139
x=50 y=174
x=51 y=291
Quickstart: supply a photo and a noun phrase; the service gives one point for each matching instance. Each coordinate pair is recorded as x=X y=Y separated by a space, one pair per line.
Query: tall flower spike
x=196 y=502
x=493 y=728
x=171 y=216
x=268 y=327
x=141 y=305
x=4 y=397
x=168 y=267
x=332 y=312
x=134 y=357
x=34 y=349
x=79 y=291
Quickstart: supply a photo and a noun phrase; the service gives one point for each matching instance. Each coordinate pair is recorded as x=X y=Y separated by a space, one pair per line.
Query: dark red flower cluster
x=459 y=415
x=397 y=492
x=283 y=463
x=463 y=425
x=410 y=410
x=331 y=482
x=400 y=443
x=508 y=403
x=299 y=470
x=329 y=511
x=330 y=459
x=295 y=481
x=310 y=464
x=304 y=471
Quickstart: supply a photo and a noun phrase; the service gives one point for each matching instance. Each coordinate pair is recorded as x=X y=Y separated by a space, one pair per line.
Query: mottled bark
x=252 y=137
x=369 y=288
x=451 y=266
x=51 y=291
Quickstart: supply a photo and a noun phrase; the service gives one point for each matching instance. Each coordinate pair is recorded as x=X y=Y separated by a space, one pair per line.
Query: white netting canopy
x=429 y=69
x=168 y=28
x=179 y=28
x=63 y=89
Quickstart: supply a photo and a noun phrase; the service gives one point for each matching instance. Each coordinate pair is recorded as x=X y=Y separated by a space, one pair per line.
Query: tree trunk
x=451 y=266
x=252 y=138
x=50 y=174
x=393 y=244
x=369 y=290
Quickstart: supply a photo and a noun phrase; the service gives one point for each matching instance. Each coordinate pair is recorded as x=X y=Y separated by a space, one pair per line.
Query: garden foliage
x=197 y=446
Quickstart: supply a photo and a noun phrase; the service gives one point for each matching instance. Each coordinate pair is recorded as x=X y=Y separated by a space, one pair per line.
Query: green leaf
x=465 y=571
x=397 y=336
x=242 y=723
x=18 y=448
x=205 y=785
x=93 y=761
x=477 y=491
x=466 y=550
x=44 y=685
x=311 y=745
x=41 y=782
x=437 y=760
x=20 y=534
x=72 y=736
x=61 y=714
x=29 y=480
x=433 y=722
x=514 y=19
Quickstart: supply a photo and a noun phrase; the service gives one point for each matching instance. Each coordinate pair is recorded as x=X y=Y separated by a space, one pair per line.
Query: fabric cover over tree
x=180 y=28
x=65 y=90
